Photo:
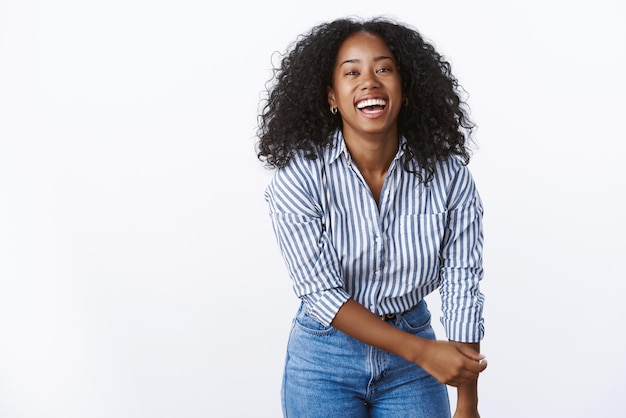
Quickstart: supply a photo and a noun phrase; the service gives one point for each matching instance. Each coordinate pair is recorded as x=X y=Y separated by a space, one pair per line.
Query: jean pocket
x=308 y=324
x=416 y=324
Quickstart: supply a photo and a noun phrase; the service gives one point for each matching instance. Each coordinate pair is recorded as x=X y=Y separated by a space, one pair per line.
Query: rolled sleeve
x=298 y=218
x=461 y=269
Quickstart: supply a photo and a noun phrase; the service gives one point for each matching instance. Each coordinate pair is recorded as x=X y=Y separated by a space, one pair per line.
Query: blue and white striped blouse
x=339 y=244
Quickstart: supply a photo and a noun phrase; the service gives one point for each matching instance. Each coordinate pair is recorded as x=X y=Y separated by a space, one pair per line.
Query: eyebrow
x=356 y=60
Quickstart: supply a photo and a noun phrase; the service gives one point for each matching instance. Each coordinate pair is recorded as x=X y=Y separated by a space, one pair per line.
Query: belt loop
x=388 y=317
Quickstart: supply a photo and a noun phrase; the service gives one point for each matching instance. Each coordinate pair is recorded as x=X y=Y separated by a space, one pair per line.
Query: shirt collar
x=338 y=147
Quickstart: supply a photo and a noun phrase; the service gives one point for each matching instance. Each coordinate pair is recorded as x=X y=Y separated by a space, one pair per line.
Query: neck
x=372 y=154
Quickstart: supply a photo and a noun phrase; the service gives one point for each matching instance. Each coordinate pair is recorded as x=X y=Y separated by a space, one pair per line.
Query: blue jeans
x=329 y=374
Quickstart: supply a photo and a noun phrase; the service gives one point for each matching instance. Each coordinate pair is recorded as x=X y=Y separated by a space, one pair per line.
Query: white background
x=139 y=276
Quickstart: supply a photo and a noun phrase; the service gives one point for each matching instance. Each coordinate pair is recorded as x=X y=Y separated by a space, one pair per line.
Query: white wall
x=139 y=275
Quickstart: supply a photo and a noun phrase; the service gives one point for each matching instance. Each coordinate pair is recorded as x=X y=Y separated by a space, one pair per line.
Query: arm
x=314 y=266
x=467 y=393
x=442 y=359
x=461 y=272
x=297 y=213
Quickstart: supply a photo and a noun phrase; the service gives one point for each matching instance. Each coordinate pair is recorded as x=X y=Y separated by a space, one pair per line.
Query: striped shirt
x=338 y=243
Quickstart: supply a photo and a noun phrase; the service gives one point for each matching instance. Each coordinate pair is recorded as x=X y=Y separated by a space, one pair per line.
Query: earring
x=405 y=101
x=333 y=110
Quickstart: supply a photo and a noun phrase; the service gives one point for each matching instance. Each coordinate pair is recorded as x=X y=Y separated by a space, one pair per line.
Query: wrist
x=415 y=349
x=467 y=396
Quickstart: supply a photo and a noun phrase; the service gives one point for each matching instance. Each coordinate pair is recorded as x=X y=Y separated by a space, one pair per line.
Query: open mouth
x=371 y=106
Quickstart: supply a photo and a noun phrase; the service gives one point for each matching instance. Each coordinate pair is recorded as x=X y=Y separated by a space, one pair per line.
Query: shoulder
x=450 y=167
x=296 y=187
x=454 y=179
x=300 y=170
x=306 y=170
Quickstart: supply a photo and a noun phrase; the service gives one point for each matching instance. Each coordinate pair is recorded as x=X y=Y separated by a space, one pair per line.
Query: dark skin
x=366 y=74
x=453 y=363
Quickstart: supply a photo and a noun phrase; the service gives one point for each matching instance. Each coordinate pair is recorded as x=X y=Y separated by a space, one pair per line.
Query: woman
x=374 y=208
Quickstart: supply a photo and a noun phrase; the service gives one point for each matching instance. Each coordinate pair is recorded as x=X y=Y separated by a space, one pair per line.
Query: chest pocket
x=417 y=241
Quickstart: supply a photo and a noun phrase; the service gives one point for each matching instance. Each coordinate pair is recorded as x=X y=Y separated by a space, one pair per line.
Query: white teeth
x=371 y=102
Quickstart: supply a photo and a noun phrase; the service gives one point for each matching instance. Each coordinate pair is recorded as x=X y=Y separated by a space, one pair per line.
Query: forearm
x=467 y=393
x=358 y=322
x=441 y=359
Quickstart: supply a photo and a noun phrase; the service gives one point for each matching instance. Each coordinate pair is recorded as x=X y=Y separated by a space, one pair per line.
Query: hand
x=451 y=363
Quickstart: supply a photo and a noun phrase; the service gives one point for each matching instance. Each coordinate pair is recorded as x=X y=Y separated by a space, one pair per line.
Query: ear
x=331 y=96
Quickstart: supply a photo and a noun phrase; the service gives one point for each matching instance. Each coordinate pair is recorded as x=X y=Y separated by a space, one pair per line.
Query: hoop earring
x=333 y=110
x=405 y=101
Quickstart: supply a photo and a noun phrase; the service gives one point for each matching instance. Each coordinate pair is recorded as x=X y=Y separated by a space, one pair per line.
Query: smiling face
x=366 y=88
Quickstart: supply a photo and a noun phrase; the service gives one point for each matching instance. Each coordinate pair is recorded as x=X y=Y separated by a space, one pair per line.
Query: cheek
x=397 y=83
x=345 y=92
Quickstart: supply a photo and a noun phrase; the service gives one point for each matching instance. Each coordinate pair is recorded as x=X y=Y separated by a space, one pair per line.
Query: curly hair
x=295 y=115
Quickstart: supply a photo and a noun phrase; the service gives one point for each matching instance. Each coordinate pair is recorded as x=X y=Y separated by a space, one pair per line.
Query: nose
x=369 y=80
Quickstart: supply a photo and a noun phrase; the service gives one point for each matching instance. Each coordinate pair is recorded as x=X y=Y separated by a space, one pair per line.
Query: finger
x=476 y=366
x=461 y=378
x=482 y=364
x=464 y=379
x=467 y=377
x=469 y=352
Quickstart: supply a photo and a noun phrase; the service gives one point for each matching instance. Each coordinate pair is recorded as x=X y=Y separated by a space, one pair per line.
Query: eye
x=383 y=70
x=352 y=72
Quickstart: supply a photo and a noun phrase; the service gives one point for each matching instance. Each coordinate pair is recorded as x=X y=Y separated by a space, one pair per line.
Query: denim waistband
x=418 y=310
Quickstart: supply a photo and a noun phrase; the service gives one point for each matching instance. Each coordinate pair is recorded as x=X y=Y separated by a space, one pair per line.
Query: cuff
x=324 y=305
